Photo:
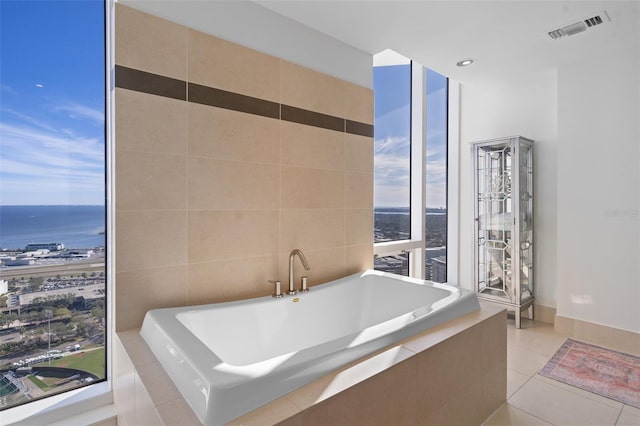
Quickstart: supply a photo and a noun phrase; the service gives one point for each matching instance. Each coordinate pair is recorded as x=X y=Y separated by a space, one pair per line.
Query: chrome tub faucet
x=303 y=259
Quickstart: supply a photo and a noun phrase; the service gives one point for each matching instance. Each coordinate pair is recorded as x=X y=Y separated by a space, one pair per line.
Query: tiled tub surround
x=454 y=373
x=217 y=179
x=288 y=342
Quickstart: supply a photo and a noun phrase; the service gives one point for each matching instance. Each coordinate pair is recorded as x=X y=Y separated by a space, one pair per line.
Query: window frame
x=415 y=246
x=82 y=400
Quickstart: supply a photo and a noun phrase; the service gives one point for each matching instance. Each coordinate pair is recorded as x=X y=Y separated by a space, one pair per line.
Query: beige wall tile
x=150 y=123
x=225 y=166
x=358 y=190
x=358 y=258
x=178 y=412
x=148 y=43
x=146 y=414
x=358 y=153
x=150 y=181
x=388 y=398
x=304 y=88
x=359 y=103
x=232 y=185
x=326 y=265
x=160 y=387
x=312 y=147
x=463 y=409
x=139 y=291
x=494 y=342
x=217 y=235
x=494 y=363
x=224 y=280
x=150 y=239
x=136 y=347
x=269 y=414
x=109 y=422
x=451 y=369
x=351 y=375
x=311 y=188
x=231 y=135
x=311 y=229
x=228 y=66
x=358 y=226
x=123 y=381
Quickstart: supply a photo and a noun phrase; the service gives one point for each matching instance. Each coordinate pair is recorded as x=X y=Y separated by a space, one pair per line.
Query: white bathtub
x=230 y=358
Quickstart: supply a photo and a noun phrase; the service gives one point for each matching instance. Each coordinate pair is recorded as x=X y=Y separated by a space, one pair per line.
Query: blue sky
x=436 y=152
x=392 y=97
x=392 y=137
x=51 y=102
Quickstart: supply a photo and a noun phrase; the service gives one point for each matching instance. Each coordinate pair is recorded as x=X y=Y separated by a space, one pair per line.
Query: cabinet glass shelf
x=503 y=222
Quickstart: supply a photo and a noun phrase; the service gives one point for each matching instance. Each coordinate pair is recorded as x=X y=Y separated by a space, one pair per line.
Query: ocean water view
x=74 y=226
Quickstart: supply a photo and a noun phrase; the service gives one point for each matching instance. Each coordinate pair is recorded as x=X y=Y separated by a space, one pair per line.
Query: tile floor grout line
x=619 y=414
x=578 y=391
x=533 y=415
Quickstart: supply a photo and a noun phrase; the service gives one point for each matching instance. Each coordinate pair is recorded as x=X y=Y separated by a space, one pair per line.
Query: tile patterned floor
x=536 y=400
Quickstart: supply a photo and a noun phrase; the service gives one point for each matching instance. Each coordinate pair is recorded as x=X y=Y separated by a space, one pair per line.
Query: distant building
x=45 y=246
x=439 y=269
x=18 y=262
x=4 y=286
x=13 y=300
x=33 y=253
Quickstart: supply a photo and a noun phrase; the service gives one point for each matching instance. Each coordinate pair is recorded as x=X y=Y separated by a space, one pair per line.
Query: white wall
x=585 y=118
x=599 y=189
x=254 y=26
x=525 y=106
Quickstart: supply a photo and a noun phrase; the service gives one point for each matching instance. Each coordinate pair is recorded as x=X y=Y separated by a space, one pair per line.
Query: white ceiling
x=507 y=38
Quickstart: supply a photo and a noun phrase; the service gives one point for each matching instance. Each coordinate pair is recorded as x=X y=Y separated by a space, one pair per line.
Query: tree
x=97 y=312
x=61 y=312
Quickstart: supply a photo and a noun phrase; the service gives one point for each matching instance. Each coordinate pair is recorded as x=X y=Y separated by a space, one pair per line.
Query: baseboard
x=544 y=313
x=610 y=337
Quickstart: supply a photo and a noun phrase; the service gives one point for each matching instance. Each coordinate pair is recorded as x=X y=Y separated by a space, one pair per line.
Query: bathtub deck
x=453 y=373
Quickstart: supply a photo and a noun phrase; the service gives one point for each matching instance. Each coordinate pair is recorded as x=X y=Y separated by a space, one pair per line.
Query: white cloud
x=7 y=88
x=79 y=112
x=39 y=164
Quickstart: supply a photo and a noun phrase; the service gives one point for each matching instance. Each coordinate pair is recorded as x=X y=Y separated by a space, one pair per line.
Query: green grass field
x=92 y=361
x=42 y=385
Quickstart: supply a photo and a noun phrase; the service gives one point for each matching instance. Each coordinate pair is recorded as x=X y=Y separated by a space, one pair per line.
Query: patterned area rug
x=608 y=373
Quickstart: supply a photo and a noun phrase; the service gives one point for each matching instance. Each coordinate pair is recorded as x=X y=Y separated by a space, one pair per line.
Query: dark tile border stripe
x=154 y=84
x=357 y=128
x=312 y=118
x=222 y=99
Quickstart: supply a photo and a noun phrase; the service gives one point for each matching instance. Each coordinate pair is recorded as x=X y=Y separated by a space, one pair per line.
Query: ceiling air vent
x=580 y=26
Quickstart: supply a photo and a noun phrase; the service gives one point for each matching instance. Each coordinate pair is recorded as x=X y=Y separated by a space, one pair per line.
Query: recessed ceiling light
x=465 y=62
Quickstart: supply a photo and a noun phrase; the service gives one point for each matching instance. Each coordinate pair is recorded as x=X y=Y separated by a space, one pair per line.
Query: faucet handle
x=277 y=288
x=303 y=284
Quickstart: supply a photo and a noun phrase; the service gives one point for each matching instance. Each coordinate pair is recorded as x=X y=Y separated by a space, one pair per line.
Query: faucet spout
x=305 y=264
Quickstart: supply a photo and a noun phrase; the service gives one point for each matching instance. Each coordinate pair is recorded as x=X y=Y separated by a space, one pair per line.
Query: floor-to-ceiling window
x=411 y=168
x=392 y=160
x=52 y=198
x=436 y=124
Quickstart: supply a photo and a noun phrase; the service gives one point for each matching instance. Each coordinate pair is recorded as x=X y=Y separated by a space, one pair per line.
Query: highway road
x=66 y=268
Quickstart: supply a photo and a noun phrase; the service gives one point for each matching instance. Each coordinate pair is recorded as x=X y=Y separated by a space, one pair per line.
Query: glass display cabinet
x=503 y=222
